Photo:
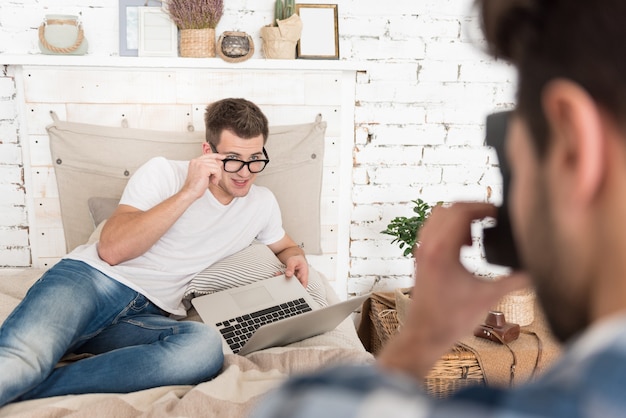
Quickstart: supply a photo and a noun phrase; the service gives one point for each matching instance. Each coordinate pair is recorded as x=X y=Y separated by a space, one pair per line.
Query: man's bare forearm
x=131 y=232
x=284 y=255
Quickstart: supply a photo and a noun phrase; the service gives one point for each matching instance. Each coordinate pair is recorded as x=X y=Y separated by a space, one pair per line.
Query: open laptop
x=269 y=313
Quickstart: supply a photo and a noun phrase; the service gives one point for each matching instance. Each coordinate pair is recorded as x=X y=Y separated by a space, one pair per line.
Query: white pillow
x=254 y=263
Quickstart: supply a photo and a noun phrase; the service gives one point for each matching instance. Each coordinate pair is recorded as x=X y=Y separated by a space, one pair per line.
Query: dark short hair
x=579 y=40
x=240 y=116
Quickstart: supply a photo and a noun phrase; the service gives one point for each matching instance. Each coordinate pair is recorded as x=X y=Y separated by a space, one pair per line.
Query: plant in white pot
x=196 y=20
x=281 y=37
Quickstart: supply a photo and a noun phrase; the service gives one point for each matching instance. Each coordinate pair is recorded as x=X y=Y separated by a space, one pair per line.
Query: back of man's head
x=579 y=40
x=240 y=116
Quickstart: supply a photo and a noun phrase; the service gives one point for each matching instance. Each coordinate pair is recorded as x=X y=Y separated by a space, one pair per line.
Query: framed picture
x=129 y=24
x=158 y=34
x=320 y=31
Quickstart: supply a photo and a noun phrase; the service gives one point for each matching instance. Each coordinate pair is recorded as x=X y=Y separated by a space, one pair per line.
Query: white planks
x=98 y=85
x=174 y=99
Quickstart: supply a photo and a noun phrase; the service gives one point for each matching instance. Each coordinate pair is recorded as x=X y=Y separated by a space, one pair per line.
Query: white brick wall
x=420 y=111
x=14 y=243
x=420 y=106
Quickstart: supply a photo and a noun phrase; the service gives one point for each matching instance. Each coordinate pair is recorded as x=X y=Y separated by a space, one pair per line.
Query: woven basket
x=384 y=323
x=453 y=371
x=518 y=307
x=459 y=368
x=197 y=43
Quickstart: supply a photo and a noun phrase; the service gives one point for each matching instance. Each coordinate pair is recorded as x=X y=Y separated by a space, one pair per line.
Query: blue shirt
x=589 y=380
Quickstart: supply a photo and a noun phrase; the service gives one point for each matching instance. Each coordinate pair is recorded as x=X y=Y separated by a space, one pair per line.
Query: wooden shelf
x=176 y=62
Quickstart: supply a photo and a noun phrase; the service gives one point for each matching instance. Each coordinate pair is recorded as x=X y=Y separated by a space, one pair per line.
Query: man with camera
x=565 y=144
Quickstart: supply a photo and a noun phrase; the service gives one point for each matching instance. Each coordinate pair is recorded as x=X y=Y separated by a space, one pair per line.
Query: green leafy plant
x=406 y=230
x=195 y=14
x=283 y=9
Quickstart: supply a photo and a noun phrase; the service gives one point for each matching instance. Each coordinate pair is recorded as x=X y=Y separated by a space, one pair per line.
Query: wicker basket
x=518 y=307
x=197 y=43
x=460 y=367
x=384 y=323
x=453 y=371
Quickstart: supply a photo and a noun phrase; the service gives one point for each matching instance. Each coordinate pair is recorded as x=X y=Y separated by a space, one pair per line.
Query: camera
x=497 y=329
x=498 y=240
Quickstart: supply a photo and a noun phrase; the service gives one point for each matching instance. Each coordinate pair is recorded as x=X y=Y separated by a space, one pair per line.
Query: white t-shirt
x=207 y=232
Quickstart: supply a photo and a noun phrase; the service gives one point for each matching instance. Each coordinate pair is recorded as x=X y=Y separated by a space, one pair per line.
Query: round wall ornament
x=235 y=46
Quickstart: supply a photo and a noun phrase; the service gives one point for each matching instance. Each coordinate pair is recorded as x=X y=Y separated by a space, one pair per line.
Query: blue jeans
x=74 y=308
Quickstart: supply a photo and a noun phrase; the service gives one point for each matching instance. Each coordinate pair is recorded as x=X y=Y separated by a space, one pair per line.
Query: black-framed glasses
x=233 y=165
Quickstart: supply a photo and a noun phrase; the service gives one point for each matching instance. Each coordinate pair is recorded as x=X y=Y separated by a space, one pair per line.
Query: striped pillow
x=253 y=263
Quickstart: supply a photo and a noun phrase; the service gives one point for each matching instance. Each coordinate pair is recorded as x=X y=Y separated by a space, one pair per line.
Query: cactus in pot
x=282 y=35
x=289 y=9
x=278 y=11
x=283 y=9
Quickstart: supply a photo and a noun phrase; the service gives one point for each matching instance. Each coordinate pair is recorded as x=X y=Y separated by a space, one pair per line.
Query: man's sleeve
x=348 y=391
x=150 y=185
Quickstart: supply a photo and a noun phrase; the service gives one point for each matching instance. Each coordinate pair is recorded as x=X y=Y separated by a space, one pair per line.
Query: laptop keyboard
x=237 y=331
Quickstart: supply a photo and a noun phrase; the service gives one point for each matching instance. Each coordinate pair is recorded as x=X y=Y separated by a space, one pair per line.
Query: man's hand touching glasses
x=202 y=171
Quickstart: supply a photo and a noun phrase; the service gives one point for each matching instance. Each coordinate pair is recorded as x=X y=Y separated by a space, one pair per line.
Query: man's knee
x=203 y=350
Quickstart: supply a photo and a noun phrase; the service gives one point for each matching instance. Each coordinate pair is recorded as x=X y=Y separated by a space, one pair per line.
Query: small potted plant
x=406 y=233
x=196 y=20
x=280 y=38
x=406 y=230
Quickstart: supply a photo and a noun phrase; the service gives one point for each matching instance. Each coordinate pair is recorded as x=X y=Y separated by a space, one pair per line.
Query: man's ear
x=206 y=148
x=577 y=147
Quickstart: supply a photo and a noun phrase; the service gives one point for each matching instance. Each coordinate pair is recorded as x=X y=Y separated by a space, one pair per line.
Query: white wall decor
x=320 y=31
x=158 y=35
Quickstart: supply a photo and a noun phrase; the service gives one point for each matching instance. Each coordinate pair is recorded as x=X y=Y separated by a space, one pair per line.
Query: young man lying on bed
x=113 y=299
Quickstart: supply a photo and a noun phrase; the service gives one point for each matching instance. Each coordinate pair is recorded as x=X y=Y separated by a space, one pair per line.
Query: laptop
x=269 y=313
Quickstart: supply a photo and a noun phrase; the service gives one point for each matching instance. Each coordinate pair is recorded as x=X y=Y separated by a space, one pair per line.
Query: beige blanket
x=231 y=394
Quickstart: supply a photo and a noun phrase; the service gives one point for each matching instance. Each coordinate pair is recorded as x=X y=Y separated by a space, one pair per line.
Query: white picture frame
x=320 y=31
x=129 y=26
x=158 y=34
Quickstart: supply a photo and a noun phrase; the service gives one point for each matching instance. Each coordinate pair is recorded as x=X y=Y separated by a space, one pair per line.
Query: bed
x=92 y=165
